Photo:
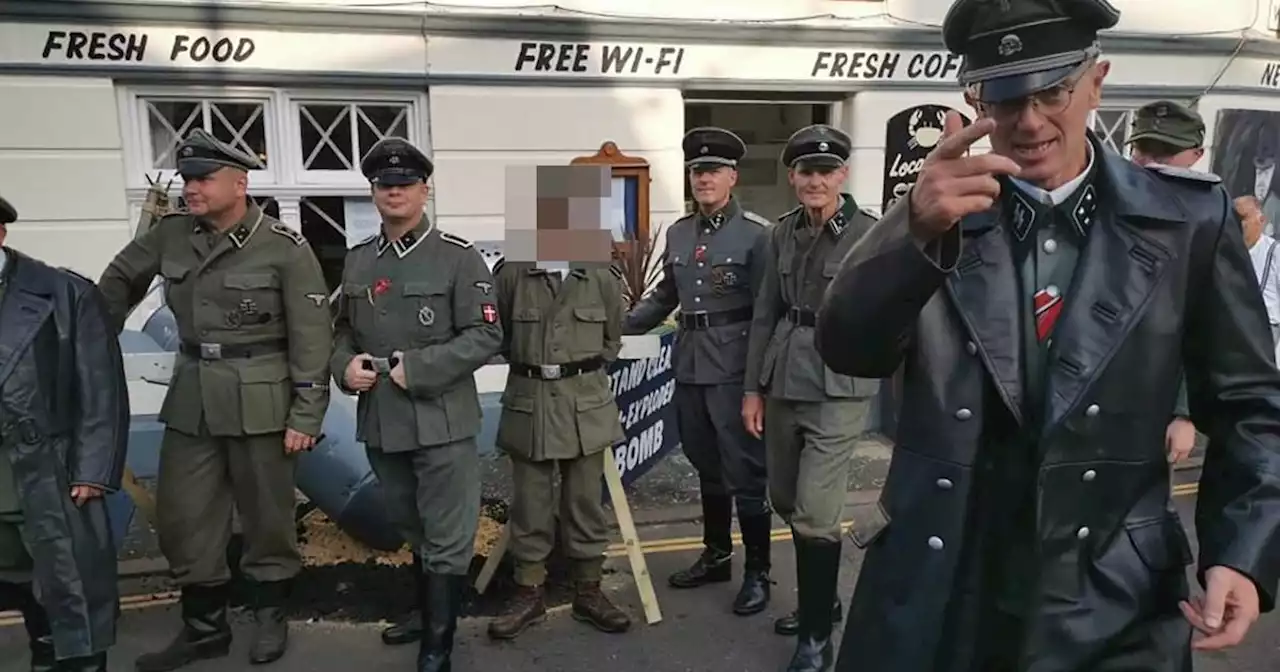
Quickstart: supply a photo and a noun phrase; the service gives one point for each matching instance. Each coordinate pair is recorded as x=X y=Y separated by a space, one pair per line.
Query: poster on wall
x=1245 y=154
x=909 y=137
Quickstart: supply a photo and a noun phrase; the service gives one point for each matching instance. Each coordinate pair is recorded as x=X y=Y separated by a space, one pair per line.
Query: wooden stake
x=631 y=540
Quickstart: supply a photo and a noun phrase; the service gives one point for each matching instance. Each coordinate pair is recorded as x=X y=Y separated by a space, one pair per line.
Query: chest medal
x=426 y=316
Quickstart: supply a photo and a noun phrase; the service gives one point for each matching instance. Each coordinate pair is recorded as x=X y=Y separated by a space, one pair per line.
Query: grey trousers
x=433 y=495
x=810 y=448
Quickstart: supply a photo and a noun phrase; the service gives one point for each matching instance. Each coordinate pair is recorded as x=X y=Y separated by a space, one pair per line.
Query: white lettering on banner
x=640 y=448
x=626 y=379
x=574 y=57
x=647 y=405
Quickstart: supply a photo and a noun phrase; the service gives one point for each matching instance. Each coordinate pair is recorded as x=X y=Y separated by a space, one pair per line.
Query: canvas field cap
x=1014 y=48
x=1168 y=122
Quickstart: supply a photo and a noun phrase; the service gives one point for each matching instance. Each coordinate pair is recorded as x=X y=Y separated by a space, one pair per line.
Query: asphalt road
x=697 y=633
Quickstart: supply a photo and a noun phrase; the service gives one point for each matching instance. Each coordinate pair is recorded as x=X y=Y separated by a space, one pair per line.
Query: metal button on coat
x=1050 y=246
x=1089 y=476
x=935 y=543
x=964 y=414
x=1082 y=533
x=971 y=348
x=1092 y=410
x=944 y=483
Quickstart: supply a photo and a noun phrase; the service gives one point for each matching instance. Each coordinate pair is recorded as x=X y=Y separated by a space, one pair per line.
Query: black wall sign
x=909 y=137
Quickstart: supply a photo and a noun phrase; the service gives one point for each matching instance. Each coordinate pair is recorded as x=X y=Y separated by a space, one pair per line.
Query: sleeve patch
x=450 y=238
x=289 y=233
x=489 y=312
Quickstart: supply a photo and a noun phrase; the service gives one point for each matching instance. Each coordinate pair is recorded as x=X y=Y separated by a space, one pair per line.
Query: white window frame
x=417 y=109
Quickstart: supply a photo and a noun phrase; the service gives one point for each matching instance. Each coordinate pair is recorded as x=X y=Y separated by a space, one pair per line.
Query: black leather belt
x=705 y=320
x=801 y=317
x=557 y=371
x=215 y=351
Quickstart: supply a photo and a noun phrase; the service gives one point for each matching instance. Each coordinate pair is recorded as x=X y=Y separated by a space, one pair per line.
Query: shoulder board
x=869 y=213
x=1185 y=174
x=460 y=242
x=497 y=265
x=790 y=212
x=75 y=274
x=366 y=241
x=284 y=230
x=613 y=268
x=751 y=216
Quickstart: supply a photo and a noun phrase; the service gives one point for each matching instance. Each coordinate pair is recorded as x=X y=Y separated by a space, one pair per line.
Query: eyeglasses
x=1049 y=102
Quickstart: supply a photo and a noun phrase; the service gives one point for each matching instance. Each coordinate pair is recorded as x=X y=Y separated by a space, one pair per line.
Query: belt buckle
x=210 y=351
x=381 y=364
x=702 y=319
x=550 y=371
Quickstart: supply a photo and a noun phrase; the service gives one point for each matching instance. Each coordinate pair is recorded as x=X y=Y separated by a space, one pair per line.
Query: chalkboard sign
x=909 y=137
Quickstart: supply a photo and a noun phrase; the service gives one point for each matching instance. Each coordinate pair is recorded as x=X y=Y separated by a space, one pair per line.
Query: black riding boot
x=408 y=629
x=205 y=631
x=715 y=565
x=271 y=634
x=441 y=606
x=94 y=663
x=817 y=571
x=754 y=594
x=789 y=625
x=19 y=596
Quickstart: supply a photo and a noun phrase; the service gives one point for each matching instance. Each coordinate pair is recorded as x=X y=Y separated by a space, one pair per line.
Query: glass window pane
x=168 y=122
x=326 y=137
x=379 y=121
x=241 y=125
x=323 y=226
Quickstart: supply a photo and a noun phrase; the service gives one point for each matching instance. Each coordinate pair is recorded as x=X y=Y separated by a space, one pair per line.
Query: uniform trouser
x=202 y=480
x=810 y=448
x=584 y=524
x=729 y=461
x=15 y=559
x=433 y=495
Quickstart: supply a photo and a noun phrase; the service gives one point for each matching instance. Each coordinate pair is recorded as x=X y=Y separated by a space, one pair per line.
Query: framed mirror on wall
x=630 y=198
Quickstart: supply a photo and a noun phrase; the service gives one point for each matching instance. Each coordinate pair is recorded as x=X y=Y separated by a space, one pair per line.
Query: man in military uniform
x=1042 y=300
x=562 y=328
x=249 y=391
x=812 y=417
x=712 y=267
x=1165 y=133
x=64 y=422
x=417 y=318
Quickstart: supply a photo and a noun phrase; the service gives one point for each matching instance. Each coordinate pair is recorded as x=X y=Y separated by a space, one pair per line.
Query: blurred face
x=1251 y=220
x=215 y=193
x=399 y=203
x=1144 y=153
x=1045 y=132
x=3 y=231
x=711 y=187
x=818 y=187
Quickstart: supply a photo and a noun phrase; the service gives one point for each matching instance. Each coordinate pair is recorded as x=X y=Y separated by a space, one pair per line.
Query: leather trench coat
x=64 y=414
x=1163 y=281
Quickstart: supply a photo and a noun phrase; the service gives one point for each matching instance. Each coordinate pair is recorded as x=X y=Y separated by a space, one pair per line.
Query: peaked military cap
x=8 y=213
x=817 y=146
x=1168 y=122
x=710 y=147
x=1013 y=48
x=201 y=154
x=396 y=162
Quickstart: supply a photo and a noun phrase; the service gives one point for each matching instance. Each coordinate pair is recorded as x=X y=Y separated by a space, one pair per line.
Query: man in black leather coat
x=64 y=426
x=1041 y=299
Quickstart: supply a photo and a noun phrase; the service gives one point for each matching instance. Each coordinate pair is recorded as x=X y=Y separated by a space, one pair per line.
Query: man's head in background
x=1252 y=221
x=1167 y=133
x=215 y=175
x=560 y=214
x=8 y=215
x=712 y=155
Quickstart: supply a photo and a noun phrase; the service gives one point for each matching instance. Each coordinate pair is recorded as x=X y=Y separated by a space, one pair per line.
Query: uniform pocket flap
x=830 y=269
x=424 y=289
x=251 y=281
x=172 y=270
x=527 y=315
x=592 y=401
x=728 y=258
x=678 y=259
x=1160 y=543
x=518 y=402
x=869 y=520
x=589 y=314
x=354 y=290
x=264 y=374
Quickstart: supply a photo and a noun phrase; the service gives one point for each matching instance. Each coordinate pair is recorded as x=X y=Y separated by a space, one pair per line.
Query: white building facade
x=95 y=96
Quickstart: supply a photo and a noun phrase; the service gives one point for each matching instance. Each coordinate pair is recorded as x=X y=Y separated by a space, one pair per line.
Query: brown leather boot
x=526 y=608
x=591 y=606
